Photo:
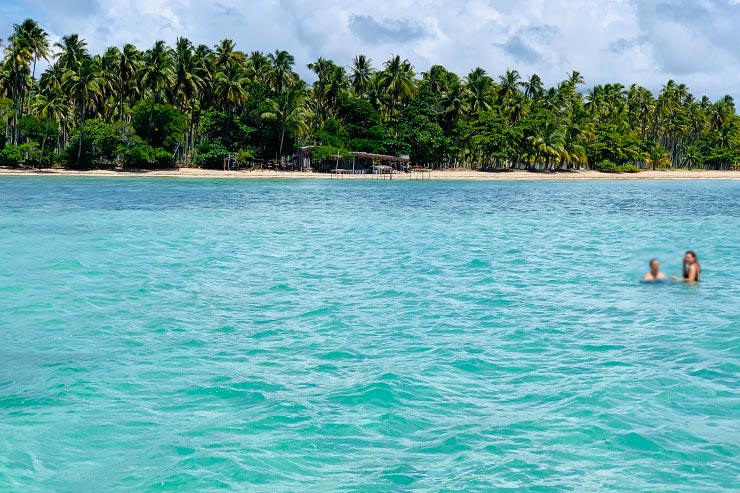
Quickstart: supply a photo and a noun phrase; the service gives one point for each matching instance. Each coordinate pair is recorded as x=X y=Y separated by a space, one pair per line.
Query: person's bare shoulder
x=662 y=277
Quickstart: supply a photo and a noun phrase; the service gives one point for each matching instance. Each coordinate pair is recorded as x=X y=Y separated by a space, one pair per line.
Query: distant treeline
x=197 y=104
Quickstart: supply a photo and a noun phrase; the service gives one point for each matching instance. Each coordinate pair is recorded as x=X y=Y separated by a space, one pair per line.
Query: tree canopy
x=195 y=104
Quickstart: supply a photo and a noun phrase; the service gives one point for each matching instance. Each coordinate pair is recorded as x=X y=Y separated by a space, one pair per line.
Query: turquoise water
x=205 y=335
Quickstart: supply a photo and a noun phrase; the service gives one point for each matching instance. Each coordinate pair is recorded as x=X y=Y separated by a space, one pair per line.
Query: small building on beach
x=357 y=163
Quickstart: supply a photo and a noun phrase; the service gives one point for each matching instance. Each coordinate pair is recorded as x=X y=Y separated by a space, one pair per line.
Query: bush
x=628 y=168
x=142 y=155
x=100 y=144
x=210 y=155
x=606 y=166
x=161 y=125
x=11 y=155
x=245 y=155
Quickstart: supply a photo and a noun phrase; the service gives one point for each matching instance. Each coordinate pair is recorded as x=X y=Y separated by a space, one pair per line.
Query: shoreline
x=436 y=175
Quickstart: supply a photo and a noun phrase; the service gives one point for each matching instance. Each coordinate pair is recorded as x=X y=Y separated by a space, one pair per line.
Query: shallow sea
x=269 y=336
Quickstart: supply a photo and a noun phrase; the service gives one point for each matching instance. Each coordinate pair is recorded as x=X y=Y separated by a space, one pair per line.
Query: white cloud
x=641 y=41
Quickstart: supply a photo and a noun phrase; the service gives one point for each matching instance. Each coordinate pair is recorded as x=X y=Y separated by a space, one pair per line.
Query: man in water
x=654 y=274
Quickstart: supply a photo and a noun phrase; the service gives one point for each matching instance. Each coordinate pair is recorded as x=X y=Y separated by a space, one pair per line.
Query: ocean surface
x=285 y=336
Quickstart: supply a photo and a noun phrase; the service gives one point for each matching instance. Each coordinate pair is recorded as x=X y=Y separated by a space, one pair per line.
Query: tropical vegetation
x=191 y=104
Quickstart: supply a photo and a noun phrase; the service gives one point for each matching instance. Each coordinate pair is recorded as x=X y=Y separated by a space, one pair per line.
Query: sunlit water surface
x=206 y=335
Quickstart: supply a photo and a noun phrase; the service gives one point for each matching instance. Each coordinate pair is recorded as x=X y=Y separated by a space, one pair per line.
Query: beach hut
x=379 y=163
x=302 y=159
x=358 y=163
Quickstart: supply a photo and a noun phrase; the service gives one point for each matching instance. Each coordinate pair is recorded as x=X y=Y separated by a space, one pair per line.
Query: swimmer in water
x=654 y=274
x=691 y=268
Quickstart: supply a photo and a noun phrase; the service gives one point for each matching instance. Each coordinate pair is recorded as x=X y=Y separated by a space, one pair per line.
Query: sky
x=629 y=41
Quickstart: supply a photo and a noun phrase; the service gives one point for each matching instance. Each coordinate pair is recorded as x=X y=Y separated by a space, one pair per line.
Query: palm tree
x=455 y=102
x=49 y=107
x=84 y=83
x=258 y=67
x=362 y=73
x=226 y=55
x=508 y=85
x=37 y=40
x=575 y=136
x=73 y=50
x=657 y=156
x=480 y=87
x=397 y=81
x=156 y=71
x=290 y=112
x=281 y=72
x=548 y=143
x=17 y=62
x=129 y=65
x=229 y=89
x=332 y=83
x=157 y=75
x=576 y=78
x=203 y=70
x=439 y=80
x=533 y=87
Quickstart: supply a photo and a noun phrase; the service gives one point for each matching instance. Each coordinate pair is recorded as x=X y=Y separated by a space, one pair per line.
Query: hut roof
x=308 y=150
x=382 y=157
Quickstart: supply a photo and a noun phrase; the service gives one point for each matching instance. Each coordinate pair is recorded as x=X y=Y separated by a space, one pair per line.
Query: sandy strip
x=434 y=175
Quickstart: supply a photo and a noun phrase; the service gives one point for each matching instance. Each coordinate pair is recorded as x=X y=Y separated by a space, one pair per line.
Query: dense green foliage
x=198 y=104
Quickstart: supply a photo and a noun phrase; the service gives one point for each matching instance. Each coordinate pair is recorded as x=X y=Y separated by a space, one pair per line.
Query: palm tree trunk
x=82 y=129
x=282 y=139
x=43 y=143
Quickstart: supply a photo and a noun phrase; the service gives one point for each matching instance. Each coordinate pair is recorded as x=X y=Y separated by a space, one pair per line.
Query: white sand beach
x=433 y=175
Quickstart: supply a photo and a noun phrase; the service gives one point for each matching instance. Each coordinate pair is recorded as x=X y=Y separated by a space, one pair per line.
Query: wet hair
x=653 y=260
x=686 y=269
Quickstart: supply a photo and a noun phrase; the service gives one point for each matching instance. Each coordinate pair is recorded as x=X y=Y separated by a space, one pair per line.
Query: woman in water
x=691 y=268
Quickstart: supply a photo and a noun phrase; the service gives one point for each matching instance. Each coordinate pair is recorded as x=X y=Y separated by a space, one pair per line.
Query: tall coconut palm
x=228 y=86
x=281 y=73
x=226 y=55
x=84 y=83
x=290 y=112
x=203 y=70
x=508 y=85
x=50 y=108
x=533 y=87
x=37 y=40
x=187 y=83
x=548 y=143
x=455 y=102
x=397 y=81
x=72 y=51
x=480 y=87
x=18 y=56
x=157 y=71
x=439 y=80
x=332 y=83
x=258 y=67
x=362 y=73
x=129 y=65
x=157 y=75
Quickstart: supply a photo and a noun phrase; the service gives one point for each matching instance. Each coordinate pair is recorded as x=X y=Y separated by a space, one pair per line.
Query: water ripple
x=166 y=335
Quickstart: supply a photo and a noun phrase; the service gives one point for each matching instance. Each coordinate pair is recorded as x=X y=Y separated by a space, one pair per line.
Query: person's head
x=689 y=258
x=654 y=266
